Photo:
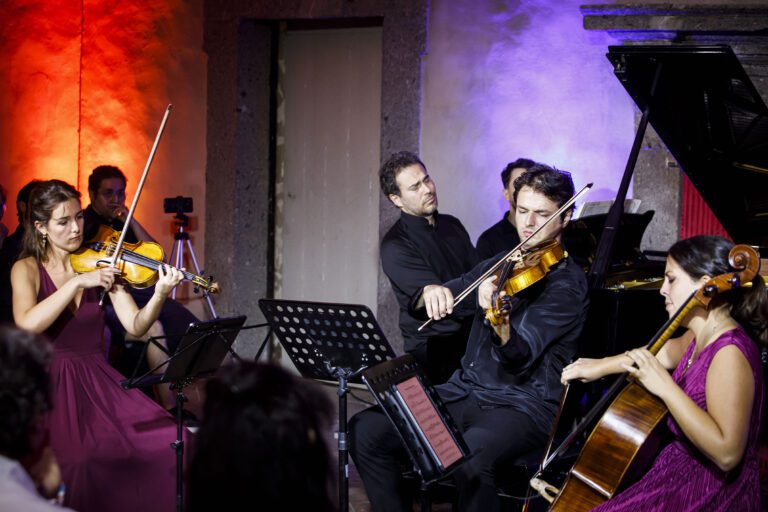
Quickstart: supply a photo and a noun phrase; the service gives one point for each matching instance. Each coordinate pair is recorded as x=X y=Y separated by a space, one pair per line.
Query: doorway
x=327 y=157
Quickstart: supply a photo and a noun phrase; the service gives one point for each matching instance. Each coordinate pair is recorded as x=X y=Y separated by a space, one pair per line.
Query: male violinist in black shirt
x=424 y=247
x=505 y=395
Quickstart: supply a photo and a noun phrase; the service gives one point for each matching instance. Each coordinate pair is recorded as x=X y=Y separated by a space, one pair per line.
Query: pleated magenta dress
x=682 y=478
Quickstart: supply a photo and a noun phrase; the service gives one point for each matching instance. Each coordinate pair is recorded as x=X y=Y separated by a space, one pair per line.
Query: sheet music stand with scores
x=426 y=428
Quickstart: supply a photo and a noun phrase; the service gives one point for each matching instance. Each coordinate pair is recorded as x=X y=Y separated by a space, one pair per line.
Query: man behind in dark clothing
x=10 y=251
x=3 y=227
x=505 y=395
x=424 y=247
x=106 y=188
x=502 y=236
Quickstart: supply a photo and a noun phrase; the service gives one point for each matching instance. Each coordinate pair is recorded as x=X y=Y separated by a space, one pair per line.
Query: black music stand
x=426 y=428
x=329 y=342
x=199 y=354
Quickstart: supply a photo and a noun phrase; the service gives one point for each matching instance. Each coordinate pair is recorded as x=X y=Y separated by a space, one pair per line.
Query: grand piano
x=712 y=119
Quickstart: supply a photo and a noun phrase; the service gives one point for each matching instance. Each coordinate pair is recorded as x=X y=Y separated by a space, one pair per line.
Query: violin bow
x=129 y=217
x=513 y=254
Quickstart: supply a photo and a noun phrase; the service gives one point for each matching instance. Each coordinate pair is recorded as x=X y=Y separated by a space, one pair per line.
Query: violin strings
x=140 y=259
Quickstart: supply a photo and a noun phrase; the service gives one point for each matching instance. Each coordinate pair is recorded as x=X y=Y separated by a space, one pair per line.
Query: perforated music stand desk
x=328 y=341
x=312 y=333
x=200 y=352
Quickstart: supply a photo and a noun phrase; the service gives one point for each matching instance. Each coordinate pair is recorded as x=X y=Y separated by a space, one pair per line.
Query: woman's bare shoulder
x=25 y=268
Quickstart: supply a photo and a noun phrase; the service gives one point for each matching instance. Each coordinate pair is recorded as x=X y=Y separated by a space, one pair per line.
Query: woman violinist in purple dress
x=714 y=396
x=112 y=445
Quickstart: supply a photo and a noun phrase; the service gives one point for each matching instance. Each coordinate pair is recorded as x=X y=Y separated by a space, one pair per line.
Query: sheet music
x=426 y=416
x=602 y=207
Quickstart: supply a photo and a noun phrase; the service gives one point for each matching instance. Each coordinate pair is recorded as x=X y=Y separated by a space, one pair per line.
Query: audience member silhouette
x=28 y=469
x=261 y=440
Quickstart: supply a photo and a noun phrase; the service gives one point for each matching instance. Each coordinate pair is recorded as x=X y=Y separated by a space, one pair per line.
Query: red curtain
x=695 y=217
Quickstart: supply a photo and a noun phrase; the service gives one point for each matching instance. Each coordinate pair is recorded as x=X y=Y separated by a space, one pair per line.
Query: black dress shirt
x=501 y=237
x=414 y=254
x=525 y=373
x=9 y=253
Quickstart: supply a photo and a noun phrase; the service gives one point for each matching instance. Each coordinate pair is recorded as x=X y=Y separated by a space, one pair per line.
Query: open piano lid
x=713 y=121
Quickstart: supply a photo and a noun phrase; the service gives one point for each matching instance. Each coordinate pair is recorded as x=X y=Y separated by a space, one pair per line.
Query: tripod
x=181 y=238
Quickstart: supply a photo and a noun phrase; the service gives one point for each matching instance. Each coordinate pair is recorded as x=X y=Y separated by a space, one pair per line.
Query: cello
x=622 y=439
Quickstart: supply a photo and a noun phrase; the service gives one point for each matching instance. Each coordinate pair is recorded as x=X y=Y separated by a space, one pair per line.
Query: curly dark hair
x=520 y=163
x=261 y=438
x=24 y=388
x=392 y=167
x=555 y=184
x=707 y=255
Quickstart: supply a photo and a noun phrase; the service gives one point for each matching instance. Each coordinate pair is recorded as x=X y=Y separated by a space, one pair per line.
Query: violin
x=139 y=262
x=531 y=268
x=513 y=255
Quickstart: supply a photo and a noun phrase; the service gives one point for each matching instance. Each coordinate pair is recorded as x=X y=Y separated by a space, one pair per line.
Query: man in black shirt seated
x=506 y=393
x=423 y=247
x=502 y=236
x=106 y=189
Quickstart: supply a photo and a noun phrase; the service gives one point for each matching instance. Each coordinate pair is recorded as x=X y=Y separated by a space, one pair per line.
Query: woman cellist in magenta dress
x=715 y=395
x=113 y=445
